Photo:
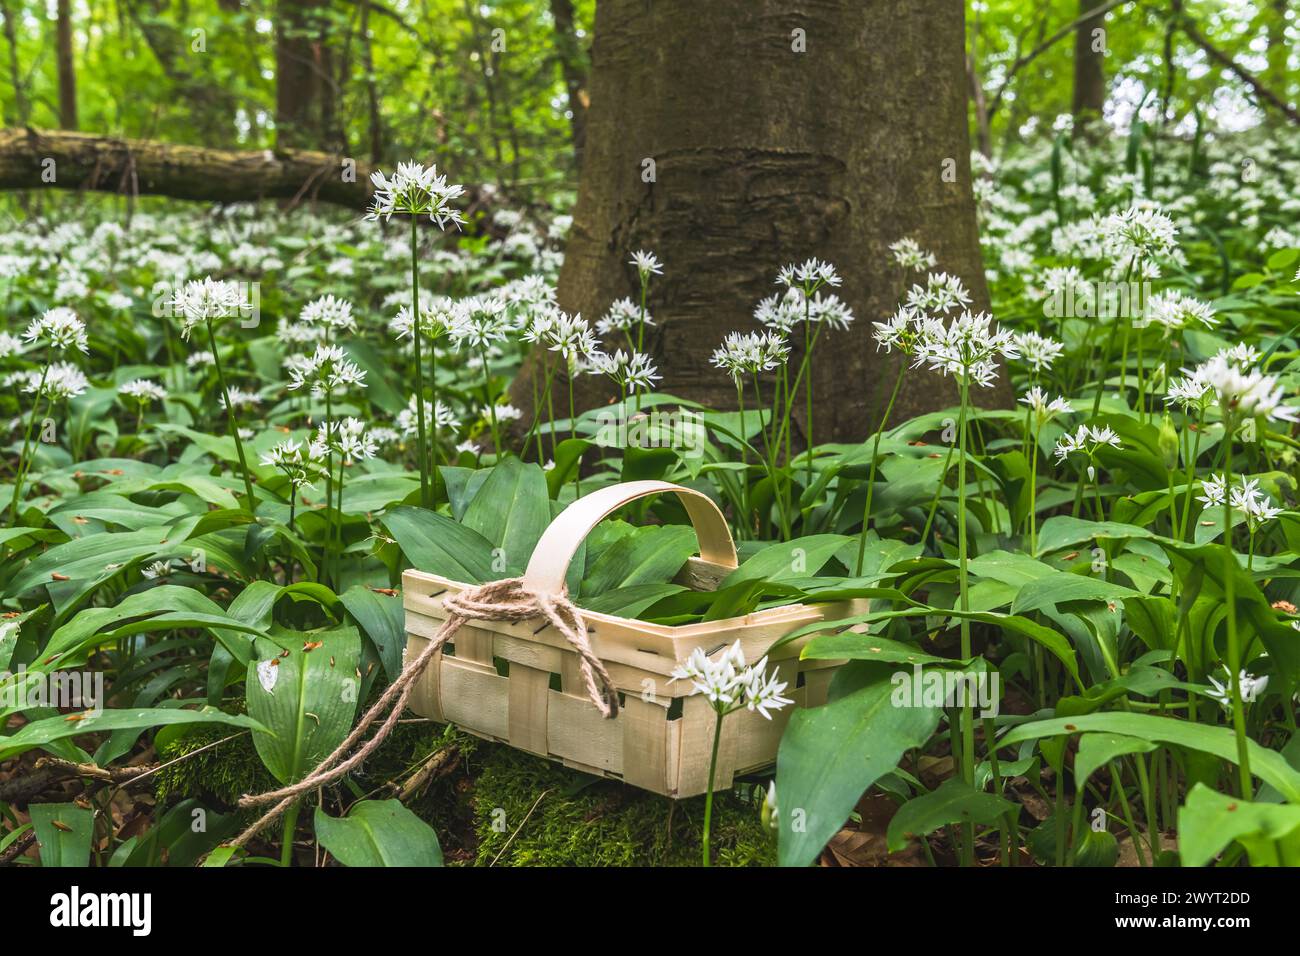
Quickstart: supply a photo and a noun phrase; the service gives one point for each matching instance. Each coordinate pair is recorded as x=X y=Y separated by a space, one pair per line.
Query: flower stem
x=422 y=449
x=23 y=463
x=1230 y=601
x=871 y=477
x=967 y=727
x=708 y=797
x=251 y=500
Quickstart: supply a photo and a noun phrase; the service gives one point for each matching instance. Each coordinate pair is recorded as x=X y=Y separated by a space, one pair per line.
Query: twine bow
x=506 y=600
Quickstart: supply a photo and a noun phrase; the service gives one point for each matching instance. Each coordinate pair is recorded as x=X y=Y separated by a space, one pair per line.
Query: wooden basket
x=518 y=684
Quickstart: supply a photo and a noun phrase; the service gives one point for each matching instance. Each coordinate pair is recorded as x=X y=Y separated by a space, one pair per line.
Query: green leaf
x=1064 y=531
x=854 y=645
x=954 y=801
x=649 y=555
x=41 y=733
x=64 y=832
x=1269 y=765
x=630 y=601
x=1064 y=587
x=1097 y=750
x=1209 y=821
x=306 y=699
x=378 y=833
x=831 y=754
x=799 y=558
x=434 y=543
x=511 y=510
x=384 y=622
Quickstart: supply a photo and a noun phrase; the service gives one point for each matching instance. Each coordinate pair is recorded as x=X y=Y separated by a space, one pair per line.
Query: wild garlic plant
x=968 y=349
x=729 y=685
x=59 y=330
x=416 y=190
x=746 y=356
x=325 y=373
x=212 y=302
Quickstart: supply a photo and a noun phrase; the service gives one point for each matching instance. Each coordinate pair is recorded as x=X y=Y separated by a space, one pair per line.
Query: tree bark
x=375 y=126
x=573 y=70
x=67 y=68
x=764 y=156
x=1089 y=67
x=1279 y=50
x=299 y=75
x=15 y=80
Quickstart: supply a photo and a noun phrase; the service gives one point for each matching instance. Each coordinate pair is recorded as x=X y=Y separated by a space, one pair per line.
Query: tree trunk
x=67 y=68
x=1279 y=50
x=376 y=124
x=573 y=70
x=299 y=75
x=759 y=155
x=1089 y=67
x=11 y=40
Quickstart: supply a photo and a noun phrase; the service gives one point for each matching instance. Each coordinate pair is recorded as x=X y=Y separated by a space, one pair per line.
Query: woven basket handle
x=560 y=542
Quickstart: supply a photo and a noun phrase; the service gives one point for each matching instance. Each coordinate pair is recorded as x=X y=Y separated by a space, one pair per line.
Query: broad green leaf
x=1097 y=750
x=378 y=833
x=793 y=559
x=41 y=733
x=1269 y=765
x=649 y=555
x=384 y=622
x=439 y=545
x=511 y=510
x=831 y=754
x=306 y=699
x=63 y=832
x=1210 y=821
x=955 y=801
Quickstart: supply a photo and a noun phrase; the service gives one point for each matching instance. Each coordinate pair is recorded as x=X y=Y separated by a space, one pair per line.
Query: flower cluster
x=59 y=328
x=327 y=370
x=729 y=684
x=203 y=300
x=1253 y=503
x=749 y=353
x=967 y=348
x=415 y=190
x=1088 y=440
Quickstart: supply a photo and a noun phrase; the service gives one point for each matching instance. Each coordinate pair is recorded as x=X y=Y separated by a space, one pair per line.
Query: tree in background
x=735 y=137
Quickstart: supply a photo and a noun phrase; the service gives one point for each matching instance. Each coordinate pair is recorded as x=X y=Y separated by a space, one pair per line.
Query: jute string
x=506 y=600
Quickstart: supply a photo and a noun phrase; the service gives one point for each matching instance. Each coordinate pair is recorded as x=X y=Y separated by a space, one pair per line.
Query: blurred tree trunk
x=1089 y=67
x=15 y=79
x=1279 y=50
x=736 y=136
x=300 y=75
x=67 y=68
x=573 y=70
x=376 y=126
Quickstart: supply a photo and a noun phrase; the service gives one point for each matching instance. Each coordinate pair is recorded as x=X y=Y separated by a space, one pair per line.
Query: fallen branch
x=42 y=159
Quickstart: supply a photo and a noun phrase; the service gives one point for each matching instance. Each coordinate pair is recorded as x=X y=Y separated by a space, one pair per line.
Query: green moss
x=218 y=775
x=532 y=812
x=487 y=807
